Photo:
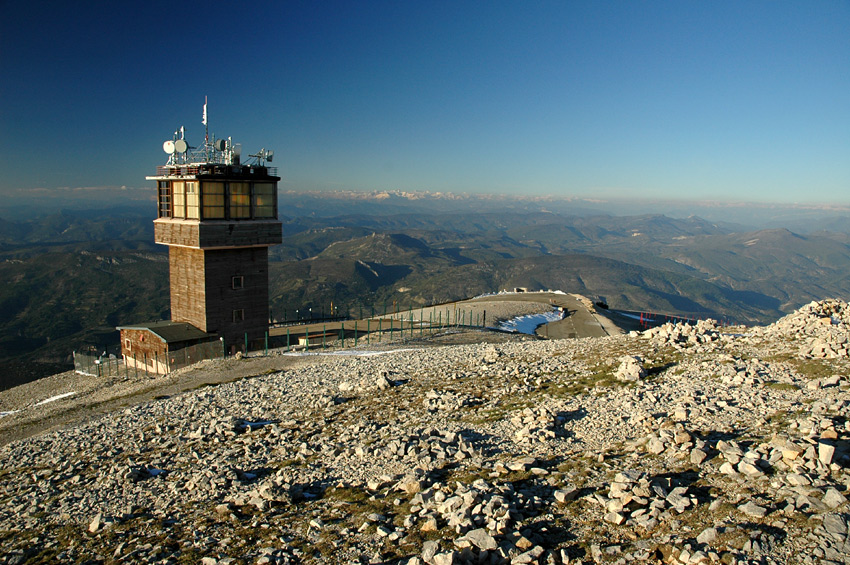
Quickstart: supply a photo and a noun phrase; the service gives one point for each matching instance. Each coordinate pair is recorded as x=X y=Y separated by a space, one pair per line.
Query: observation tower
x=218 y=216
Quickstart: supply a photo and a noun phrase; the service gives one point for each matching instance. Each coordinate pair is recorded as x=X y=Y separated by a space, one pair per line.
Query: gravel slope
x=679 y=445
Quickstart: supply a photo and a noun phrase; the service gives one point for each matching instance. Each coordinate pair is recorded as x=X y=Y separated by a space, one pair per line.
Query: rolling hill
x=70 y=277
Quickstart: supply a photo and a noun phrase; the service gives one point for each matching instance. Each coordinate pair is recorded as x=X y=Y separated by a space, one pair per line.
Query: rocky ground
x=683 y=444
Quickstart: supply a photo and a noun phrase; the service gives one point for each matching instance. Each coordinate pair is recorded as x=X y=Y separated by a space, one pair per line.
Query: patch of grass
x=783 y=386
x=812 y=368
x=809 y=368
x=603 y=377
x=468 y=475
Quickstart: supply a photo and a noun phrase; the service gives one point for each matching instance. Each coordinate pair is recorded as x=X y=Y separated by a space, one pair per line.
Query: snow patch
x=55 y=398
x=527 y=324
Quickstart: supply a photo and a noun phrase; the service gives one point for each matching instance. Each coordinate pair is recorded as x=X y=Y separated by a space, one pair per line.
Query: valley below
x=72 y=276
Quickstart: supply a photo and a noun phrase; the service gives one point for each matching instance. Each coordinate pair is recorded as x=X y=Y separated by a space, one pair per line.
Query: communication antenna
x=263 y=155
x=212 y=151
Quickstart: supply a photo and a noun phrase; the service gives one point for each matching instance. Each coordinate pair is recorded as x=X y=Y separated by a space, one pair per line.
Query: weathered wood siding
x=240 y=234
x=213 y=234
x=176 y=232
x=202 y=290
x=188 y=289
x=252 y=264
x=144 y=350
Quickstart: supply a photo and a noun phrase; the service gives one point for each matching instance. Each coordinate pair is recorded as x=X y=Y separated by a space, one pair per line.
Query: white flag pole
x=204 y=121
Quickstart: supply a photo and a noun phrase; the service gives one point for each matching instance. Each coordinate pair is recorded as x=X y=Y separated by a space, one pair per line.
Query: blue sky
x=679 y=100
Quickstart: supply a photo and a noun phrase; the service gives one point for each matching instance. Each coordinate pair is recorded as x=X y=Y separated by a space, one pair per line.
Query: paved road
x=580 y=318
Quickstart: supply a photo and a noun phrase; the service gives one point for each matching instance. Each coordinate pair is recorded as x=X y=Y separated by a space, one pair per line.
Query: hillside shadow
x=377 y=275
x=755 y=299
x=453 y=253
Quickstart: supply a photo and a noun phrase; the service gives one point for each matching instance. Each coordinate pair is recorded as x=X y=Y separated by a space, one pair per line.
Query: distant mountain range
x=72 y=276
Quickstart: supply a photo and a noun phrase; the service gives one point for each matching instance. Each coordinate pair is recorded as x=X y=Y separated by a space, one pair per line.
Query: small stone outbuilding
x=161 y=347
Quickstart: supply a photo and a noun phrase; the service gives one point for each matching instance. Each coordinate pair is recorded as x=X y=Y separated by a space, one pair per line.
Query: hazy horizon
x=803 y=217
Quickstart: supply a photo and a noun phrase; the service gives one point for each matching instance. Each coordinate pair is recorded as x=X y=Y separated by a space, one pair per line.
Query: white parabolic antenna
x=168 y=147
x=181 y=146
x=219 y=144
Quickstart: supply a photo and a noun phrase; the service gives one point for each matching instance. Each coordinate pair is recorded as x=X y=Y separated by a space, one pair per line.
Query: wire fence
x=393 y=327
x=337 y=334
x=96 y=365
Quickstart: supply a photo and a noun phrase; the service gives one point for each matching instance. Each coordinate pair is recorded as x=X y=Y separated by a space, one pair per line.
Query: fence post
x=355 y=333
x=266 y=352
x=391 y=328
x=146 y=365
x=246 y=344
x=324 y=329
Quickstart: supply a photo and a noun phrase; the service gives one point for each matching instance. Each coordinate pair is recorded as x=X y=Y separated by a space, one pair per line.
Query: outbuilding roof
x=171 y=332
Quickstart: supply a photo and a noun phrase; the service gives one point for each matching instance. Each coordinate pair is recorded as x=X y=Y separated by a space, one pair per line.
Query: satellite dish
x=219 y=144
x=168 y=147
x=269 y=155
x=181 y=146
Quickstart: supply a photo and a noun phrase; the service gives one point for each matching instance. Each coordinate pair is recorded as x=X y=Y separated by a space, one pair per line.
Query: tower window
x=192 y=200
x=238 y=282
x=239 y=315
x=179 y=195
x=264 y=197
x=212 y=196
x=240 y=200
x=164 y=199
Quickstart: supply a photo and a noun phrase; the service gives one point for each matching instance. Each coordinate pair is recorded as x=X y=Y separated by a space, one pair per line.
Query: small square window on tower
x=239 y=315
x=238 y=282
